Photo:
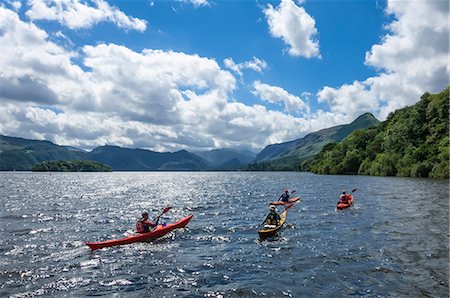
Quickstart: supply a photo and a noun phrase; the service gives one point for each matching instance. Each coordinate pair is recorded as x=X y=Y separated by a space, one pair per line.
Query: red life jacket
x=344 y=198
x=143 y=226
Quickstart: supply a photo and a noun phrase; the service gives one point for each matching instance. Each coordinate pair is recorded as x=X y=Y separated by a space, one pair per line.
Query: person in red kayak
x=272 y=218
x=284 y=196
x=144 y=225
x=343 y=198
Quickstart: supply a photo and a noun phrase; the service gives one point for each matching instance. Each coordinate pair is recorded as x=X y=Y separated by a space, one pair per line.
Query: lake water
x=393 y=242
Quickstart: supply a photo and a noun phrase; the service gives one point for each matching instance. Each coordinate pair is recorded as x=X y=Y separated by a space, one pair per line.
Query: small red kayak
x=341 y=206
x=156 y=233
x=293 y=200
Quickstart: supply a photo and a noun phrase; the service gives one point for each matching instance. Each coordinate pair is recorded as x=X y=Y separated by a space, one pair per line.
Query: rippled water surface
x=394 y=241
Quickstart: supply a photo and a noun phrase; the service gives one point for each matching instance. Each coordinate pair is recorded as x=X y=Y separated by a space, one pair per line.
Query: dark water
x=394 y=242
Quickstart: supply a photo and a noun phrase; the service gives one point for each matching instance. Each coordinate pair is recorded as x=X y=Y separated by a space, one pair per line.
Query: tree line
x=412 y=142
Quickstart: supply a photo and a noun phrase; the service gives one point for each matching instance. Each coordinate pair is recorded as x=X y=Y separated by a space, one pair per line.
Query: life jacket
x=272 y=219
x=285 y=197
x=344 y=198
x=142 y=226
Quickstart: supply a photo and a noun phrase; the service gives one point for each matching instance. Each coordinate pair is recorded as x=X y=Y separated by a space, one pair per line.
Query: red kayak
x=156 y=233
x=341 y=205
x=293 y=200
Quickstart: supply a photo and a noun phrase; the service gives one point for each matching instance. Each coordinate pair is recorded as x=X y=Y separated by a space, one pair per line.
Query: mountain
x=124 y=159
x=21 y=154
x=311 y=144
x=412 y=142
x=226 y=159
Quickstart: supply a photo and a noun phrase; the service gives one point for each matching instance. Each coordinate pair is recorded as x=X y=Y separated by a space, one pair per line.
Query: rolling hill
x=287 y=155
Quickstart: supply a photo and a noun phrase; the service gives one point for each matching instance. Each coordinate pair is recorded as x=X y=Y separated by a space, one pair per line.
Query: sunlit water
x=394 y=241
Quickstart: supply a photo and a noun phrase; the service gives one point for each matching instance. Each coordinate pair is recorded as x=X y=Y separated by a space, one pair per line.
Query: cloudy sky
x=205 y=74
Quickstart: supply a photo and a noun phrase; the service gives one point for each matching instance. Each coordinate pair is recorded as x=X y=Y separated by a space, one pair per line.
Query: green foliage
x=70 y=166
x=412 y=142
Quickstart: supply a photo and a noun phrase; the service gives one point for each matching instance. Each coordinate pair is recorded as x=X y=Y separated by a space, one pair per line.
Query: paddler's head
x=272 y=208
x=286 y=190
x=145 y=215
x=343 y=192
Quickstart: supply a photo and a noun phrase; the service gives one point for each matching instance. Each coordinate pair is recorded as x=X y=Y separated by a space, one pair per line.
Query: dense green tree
x=412 y=142
x=70 y=166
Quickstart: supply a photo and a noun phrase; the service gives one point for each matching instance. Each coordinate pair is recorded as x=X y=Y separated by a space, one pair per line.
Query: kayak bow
x=156 y=233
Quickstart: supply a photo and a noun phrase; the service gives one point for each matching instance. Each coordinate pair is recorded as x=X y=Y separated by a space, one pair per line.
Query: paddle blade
x=354 y=190
x=166 y=209
x=293 y=191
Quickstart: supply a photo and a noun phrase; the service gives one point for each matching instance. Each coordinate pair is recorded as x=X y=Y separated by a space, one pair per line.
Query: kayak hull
x=265 y=232
x=152 y=235
x=293 y=200
x=341 y=206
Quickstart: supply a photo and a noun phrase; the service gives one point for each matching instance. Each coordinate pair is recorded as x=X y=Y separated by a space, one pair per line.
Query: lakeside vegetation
x=412 y=142
x=70 y=166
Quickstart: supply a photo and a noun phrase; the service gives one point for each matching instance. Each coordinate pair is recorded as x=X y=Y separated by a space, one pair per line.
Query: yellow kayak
x=270 y=230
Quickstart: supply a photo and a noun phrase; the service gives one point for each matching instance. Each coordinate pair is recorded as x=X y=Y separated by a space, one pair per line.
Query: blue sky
x=201 y=74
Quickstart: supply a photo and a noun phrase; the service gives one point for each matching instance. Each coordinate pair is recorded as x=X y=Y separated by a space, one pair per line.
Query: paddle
x=164 y=211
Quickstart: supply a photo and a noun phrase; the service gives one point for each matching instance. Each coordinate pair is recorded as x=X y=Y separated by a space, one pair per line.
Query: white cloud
x=275 y=94
x=197 y=3
x=255 y=64
x=295 y=26
x=161 y=100
x=15 y=5
x=412 y=59
x=76 y=14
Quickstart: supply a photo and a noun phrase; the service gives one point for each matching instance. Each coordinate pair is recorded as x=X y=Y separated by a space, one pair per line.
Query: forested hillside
x=412 y=142
x=70 y=166
x=294 y=155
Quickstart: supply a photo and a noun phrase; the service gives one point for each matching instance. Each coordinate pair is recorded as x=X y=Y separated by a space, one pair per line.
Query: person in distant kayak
x=273 y=218
x=343 y=198
x=144 y=225
x=284 y=196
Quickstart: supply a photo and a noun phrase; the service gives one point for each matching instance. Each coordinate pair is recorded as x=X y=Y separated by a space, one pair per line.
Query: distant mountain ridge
x=312 y=143
x=21 y=154
x=227 y=158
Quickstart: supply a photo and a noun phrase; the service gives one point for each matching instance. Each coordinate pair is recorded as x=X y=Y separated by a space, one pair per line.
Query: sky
x=208 y=74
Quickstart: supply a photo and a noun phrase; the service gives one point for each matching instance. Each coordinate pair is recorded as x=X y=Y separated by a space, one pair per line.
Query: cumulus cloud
x=411 y=59
x=275 y=94
x=295 y=27
x=255 y=64
x=76 y=14
x=155 y=99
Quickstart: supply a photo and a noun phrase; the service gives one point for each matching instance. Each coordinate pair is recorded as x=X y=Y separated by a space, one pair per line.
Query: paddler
x=272 y=218
x=284 y=196
x=343 y=198
x=144 y=225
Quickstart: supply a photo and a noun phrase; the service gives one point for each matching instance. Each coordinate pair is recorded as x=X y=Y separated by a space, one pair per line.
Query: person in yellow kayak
x=272 y=219
x=144 y=225
x=284 y=196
